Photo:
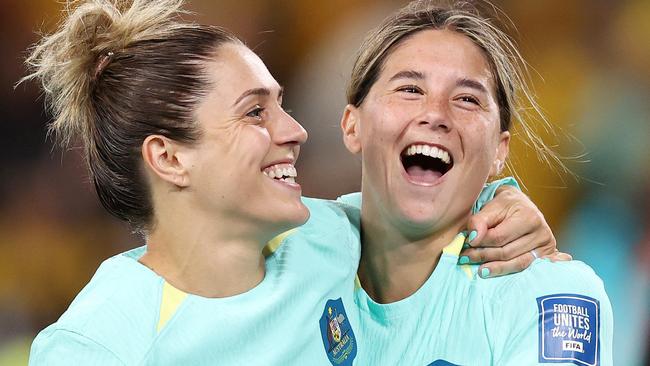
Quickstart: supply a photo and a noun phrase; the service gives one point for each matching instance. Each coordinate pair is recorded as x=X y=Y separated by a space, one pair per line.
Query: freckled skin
x=436 y=108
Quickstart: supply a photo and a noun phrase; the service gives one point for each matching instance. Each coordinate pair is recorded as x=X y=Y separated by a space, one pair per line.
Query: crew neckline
x=448 y=262
x=270 y=275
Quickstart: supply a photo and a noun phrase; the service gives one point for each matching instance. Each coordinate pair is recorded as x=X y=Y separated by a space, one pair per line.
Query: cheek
x=237 y=148
x=385 y=122
x=257 y=136
x=482 y=139
x=248 y=143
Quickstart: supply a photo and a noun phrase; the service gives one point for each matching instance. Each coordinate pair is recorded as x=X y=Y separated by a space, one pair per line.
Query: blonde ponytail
x=68 y=61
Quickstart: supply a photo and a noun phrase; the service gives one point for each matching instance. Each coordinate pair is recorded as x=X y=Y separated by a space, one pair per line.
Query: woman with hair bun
x=185 y=138
x=180 y=124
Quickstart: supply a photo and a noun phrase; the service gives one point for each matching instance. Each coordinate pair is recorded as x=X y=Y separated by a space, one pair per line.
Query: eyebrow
x=473 y=84
x=257 y=91
x=407 y=74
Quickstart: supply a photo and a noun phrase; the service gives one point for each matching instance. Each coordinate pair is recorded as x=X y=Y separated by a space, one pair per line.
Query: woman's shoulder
x=114 y=314
x=332 y=219
x=550 y=311
x=544 y=275
x=120 y=282
x=343 y=209
x=542 y=279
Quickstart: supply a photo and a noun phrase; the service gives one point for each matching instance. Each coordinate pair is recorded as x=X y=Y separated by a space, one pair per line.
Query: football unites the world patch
x=569 y=329
x=336 y=331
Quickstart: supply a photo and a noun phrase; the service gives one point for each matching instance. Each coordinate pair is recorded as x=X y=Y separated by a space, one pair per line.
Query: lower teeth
x=287 y=179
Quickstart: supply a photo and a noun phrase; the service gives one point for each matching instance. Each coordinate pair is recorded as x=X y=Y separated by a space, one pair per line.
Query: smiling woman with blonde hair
x=440 y=87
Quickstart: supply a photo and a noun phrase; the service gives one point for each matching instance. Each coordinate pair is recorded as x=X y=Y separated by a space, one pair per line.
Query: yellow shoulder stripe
x=171 y=299
x=274 y=243
x=454 y=248
x=456 y=245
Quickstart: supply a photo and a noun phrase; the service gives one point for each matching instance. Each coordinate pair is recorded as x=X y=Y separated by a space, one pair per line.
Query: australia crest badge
x=336 y=331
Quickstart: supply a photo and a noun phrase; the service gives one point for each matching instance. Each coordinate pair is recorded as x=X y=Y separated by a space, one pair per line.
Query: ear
x=502 y=154
x=161 y=157
x=351 y=129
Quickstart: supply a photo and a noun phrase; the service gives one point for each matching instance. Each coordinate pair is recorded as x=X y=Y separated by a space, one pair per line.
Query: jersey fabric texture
x=128 y=315
x=550 y=313
x=555 y=313
x=303 y=312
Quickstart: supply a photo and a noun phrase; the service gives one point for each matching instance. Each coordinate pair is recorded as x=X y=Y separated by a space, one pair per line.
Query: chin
x=303 y=216
x=430 y=216
x=297 y=214
x=419 y=215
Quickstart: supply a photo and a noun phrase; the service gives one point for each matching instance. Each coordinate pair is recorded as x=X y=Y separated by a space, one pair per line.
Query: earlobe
x=498 y=167
x=351 y=128
x=160 y=156
x=501 y=155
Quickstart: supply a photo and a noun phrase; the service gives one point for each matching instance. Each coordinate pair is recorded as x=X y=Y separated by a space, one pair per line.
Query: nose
x=435 y=115
x=287 y=131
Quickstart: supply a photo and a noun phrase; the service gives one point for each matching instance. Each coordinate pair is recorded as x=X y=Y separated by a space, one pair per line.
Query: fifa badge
x=569 y=329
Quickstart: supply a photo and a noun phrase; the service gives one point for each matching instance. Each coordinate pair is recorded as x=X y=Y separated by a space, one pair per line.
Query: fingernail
x=472 y=235
x=463 y=260
x=466 y=246
x=485 y=272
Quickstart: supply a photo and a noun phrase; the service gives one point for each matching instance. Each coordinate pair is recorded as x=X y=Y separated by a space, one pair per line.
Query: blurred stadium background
x=592 y=76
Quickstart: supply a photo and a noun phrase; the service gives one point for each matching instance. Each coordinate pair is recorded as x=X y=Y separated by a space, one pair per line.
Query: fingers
x=492 y=213
x=500 y=220
x=508 y=234
x=502 y=268
x=489 y=216
x=518 y=224
x=517 y=264
x=507 y=252
x=558 y=257
x=509 y=216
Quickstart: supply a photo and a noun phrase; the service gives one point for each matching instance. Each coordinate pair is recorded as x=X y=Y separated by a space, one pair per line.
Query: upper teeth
x=428 y=150
x=280 y=170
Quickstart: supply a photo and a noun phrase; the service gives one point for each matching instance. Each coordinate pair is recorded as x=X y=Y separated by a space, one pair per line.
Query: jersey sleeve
x=352 y=199
x=64 y=347
x=489 y=191
x=552 y=313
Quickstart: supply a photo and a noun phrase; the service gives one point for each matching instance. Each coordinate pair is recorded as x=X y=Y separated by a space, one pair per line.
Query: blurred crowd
x=590 y=66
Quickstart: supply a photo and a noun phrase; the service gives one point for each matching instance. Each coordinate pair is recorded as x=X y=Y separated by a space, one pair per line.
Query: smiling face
x=243 y=163
x=428 y=131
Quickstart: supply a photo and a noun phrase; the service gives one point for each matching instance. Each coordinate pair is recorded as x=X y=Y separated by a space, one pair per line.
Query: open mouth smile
x=425 y=163
x=285 y=173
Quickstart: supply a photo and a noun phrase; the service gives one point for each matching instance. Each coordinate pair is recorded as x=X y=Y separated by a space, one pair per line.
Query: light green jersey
x=301 y=313
x=556 y=313
x=549 y=313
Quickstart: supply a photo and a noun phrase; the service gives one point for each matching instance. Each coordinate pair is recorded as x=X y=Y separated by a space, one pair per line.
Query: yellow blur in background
x=591 y=70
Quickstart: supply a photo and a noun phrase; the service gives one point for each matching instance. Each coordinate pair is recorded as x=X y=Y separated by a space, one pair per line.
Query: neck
x=207 y=257
x=394 y=262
